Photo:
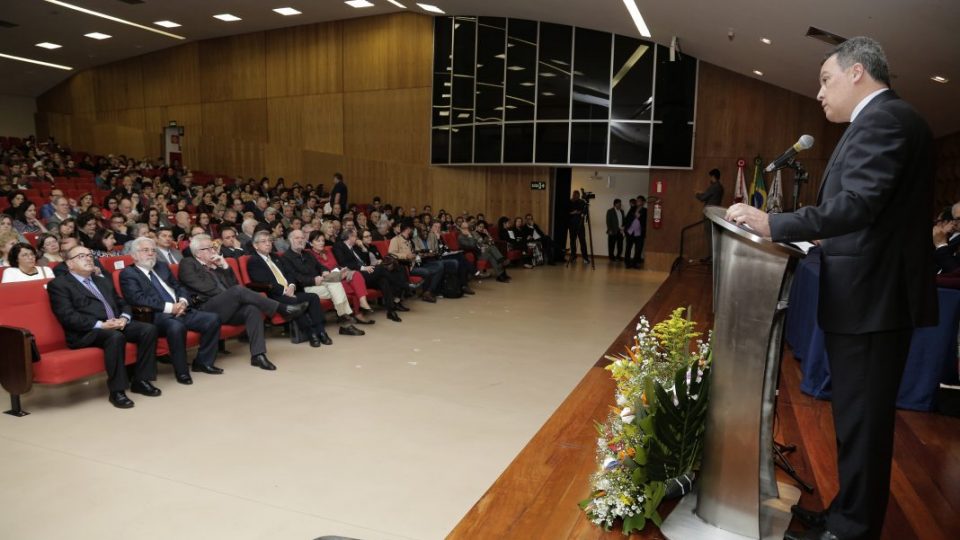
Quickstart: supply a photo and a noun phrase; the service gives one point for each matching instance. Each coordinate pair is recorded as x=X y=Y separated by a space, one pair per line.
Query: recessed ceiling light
x=287 y=11
x=112 y=18
x=48 y=45
x=227 y=17
x=758 y=73
x=32 y=61
x=398 y=4
x=637 y=17
x=940 y=79
x=167 y=24
x=358 y=3
x=766 y=40
x=515 y=68
x=98 y=35
x=431 y=8
x=526 y=84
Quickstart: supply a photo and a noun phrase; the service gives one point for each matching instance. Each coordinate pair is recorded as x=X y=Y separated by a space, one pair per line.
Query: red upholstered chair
x=116 y=263
x=384 y=247
x=31 y=237
x=277 y=319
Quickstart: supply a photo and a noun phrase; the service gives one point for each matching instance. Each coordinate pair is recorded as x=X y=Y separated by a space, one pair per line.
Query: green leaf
x=634 y=523
x=676 y=443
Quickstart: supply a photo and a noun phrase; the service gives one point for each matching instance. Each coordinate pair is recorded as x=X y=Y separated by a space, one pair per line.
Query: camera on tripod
x=587 y=195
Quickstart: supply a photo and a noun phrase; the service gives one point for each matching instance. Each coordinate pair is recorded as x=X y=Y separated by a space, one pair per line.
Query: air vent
x=824 y=36
x=8 y=24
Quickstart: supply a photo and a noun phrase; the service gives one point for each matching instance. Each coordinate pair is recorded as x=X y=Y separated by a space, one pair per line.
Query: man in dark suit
x=150 y=283
x=338 y=193
x=230 y=243
x=167 y=247
x=873 y=212
x=208 y=276
x=636 y=229
x=93 y=315
x=264 y=267
x=374 y=275
x=615 y=225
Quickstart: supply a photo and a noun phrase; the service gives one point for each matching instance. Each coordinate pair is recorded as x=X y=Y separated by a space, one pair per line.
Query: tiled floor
x=392 y=435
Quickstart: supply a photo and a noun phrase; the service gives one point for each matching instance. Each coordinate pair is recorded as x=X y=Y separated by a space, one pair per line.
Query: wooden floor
x=537 y=495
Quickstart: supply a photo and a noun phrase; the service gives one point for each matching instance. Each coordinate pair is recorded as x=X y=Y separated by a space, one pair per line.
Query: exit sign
x=538 y=185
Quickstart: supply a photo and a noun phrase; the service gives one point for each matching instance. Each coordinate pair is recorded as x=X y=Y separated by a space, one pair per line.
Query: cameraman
x=575 y=216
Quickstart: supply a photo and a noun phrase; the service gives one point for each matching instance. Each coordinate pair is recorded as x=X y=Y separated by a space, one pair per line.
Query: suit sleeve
x=61 y=302
x=191 y=277
x=132 y=287
x=260 y=273
x=872 y=161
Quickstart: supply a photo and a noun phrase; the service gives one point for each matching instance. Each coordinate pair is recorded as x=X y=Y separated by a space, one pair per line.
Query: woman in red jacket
x=354 y=285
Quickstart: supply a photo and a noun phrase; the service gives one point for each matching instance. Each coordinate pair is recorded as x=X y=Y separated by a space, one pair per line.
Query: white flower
x=621 y=400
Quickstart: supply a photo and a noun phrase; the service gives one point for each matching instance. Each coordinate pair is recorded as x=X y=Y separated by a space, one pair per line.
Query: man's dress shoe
x=364 y=321
x=400 y=307
x=315 y=341
x=809 y=518
x=325 y=339
x=288 y=311
x=120 y=400
x=261 y=362
x=184 y=378
x=392 y=315
x=200 y=368
x=351 y=331
x=145 y=388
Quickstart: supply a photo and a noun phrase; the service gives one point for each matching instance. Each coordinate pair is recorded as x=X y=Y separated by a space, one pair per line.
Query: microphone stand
x=800 y=176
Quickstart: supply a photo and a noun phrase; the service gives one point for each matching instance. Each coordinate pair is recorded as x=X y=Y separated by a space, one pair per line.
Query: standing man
x=94 y=315
x=338 y=193
x=712 y=196
x=575 y=217
x=615 y=231
x=636 y=231
x=873 y=212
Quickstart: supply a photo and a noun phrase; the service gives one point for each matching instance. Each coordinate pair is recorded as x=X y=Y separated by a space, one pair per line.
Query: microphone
x=805 y=142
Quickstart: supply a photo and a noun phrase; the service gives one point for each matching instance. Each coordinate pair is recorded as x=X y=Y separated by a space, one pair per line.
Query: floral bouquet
x=649 y=448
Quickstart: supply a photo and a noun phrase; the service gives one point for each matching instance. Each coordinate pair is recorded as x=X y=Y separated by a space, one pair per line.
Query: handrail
x=678 y=262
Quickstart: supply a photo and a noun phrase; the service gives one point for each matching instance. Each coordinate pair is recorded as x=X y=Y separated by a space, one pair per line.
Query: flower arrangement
x=650 y=446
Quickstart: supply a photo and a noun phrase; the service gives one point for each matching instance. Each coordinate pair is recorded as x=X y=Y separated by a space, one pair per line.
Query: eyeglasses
x=81 y=256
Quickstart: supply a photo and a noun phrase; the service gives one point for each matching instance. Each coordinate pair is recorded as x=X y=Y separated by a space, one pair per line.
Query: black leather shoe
x=392 y=315
x=818 y=533
x=120 y=400
x=809 y=518
x=315 y=341
x=261 y=362
x=200 y=368
x=347 y=319
x=351 y=331
x=398 y=306
x=145 y=388
x=365 y=321
x=184 y=378
x=325 y=339
x=366 y=311
x=291 y=311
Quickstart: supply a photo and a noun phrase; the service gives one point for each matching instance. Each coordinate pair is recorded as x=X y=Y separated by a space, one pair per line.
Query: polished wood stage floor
x=537 y=495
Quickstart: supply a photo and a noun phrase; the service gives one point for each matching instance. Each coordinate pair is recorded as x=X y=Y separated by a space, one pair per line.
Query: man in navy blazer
x=872 y=219
x=94 y=315
x=150 y=283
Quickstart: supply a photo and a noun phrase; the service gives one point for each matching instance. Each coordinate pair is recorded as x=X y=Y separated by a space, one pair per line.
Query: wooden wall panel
x=393 y=124
x=323 y=125
x=283 y=161
x=304 y=60
x=318 y=167
x=242 y=120
x=57 y=99
x=119 y=85
x=233 y=68
x=82 y=92
x=172 y=76
x=458 y=189
x=387 y=52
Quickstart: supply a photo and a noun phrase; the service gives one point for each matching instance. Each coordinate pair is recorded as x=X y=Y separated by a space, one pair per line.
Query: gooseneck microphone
x=805 y=142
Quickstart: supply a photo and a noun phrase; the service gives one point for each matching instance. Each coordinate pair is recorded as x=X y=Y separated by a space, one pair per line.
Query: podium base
x=684 y=524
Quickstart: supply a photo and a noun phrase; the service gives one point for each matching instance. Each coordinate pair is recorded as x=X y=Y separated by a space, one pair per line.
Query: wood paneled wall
x=737 y=117
x=302 y=103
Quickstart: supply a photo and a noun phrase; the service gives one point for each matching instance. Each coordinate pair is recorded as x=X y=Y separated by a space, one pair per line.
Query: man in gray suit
x=872 y=220
x=167 y=248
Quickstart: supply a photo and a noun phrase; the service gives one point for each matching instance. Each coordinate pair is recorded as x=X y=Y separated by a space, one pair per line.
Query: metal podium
x=738 y=495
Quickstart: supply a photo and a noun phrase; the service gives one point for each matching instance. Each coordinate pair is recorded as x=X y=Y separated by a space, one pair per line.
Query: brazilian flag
x=758 y=190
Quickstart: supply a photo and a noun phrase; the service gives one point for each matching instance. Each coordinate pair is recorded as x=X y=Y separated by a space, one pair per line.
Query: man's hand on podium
x=744 y=214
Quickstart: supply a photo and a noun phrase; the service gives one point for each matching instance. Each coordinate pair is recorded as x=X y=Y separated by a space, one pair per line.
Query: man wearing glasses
x=93 y=315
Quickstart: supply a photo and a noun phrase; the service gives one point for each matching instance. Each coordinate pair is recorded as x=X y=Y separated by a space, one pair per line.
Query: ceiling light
x=97 y=35
x=515 y=68
x=48 y=45
x=112 y=18
x=226 y=17
x=526 y=84
x=431 y=8
x=940 y=79
x=758 y=73
x=637 y=17
x=547 y=94
x=167 y=24
x=32 y=61
x=287 y=11
x=358 y=3
x=766 y=40
x=547 y=74
x=398 y=4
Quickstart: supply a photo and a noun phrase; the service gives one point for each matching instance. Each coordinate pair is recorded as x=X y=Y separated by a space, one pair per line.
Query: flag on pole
x=775 y=197
x=740 y=191
x=758 y=190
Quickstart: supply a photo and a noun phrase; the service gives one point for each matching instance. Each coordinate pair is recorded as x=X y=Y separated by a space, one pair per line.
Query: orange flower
x=631 y=452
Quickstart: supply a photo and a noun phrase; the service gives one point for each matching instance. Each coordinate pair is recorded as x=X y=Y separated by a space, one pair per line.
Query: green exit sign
x=538 y=185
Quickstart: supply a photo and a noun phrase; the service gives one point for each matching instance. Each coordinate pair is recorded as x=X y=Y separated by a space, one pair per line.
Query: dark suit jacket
x=948 y=258
x=612 y=226
x=873 y=216
x=138 y=290
x=348 y=257
x=78 y=309
x=235 y=253
x=202 y=282
x=259 y=272
x=302 y=267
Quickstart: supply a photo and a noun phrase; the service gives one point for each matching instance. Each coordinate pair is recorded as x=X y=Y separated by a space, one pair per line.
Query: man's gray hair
x=140 y=229
x=290 y=234
x=136 y=243
x=866 y=52
x=347 y=233
x=261 y=235
x=269 y=210
x=248 y=226
x=196 y=240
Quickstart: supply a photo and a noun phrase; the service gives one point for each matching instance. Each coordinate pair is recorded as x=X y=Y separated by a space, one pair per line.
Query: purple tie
x=106 y=305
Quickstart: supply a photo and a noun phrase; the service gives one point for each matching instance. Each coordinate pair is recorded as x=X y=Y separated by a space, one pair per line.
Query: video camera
x=587 y=195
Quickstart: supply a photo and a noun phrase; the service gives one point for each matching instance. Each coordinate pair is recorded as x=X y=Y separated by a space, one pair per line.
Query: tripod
x=800 y=176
